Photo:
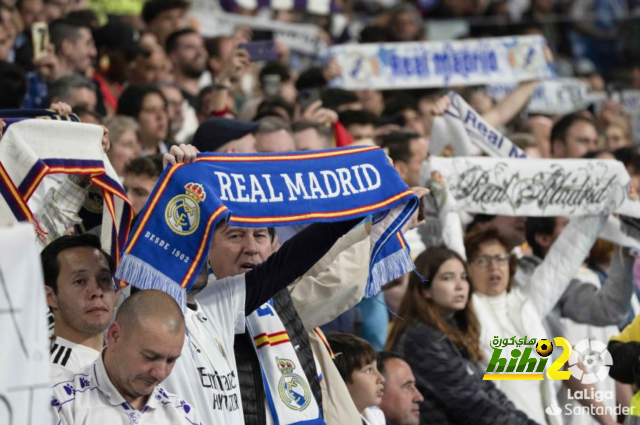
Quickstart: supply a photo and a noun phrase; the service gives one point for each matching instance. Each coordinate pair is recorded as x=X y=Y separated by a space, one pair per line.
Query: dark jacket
x=451 y=384
x=249 y=374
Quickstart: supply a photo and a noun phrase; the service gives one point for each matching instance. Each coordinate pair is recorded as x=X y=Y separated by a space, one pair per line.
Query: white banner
x=541 y=187
x=463 y=132
x=25 y=395
x=302 y=38
x=442 y=64
x=552 y=97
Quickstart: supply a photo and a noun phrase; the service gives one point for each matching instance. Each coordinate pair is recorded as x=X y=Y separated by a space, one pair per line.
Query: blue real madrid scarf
x=170 y=242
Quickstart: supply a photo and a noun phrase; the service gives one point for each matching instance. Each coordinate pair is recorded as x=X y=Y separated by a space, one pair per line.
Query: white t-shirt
x=206 y=371
x=65 y=355
x=89 y=397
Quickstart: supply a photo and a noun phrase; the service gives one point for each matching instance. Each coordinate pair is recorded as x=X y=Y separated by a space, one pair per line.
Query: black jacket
x=451 y=384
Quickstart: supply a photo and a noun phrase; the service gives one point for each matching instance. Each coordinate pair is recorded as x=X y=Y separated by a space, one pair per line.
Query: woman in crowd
x=124 y=142
x=439 y=335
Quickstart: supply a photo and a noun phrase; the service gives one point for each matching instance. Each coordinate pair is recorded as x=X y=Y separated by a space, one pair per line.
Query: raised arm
x=291 y=261
x=550 y=279
x=607 y=305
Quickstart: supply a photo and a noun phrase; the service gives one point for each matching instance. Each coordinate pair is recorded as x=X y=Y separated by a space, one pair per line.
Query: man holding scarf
x=224 y=303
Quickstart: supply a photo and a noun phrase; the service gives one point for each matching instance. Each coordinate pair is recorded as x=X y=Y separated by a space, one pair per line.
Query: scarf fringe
x=142 y=276
x=387 y=269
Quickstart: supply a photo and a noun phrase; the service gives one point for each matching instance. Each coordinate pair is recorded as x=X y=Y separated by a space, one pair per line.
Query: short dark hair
x=384 y=357
x=353 y=117
x=13 y=85
x=398 y=145
x=538 y=226
x=559 y=130
x=131 y=99
x=62 y=87
x=335 y=98
x=145 y=165
x=152 y=8
x=49 y=255
x=351 y=353
x=320 y=128
x=172 y=40
x=625 y=154
x=65 y=29
x=275 y=68
x=267 y=108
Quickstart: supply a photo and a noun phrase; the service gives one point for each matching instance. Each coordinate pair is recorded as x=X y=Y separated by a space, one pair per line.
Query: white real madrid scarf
x=34 y=148
x=289 y=394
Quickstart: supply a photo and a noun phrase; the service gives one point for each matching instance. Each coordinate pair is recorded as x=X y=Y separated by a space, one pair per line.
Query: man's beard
x=192 y=72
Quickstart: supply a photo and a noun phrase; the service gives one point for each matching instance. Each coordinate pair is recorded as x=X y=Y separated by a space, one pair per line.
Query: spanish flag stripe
x=284 y=157
x=203 y=245
x=34 y=184
x=142 y=223
x=112 y=212
x=401 y=239
x=320 y=334
x=239 y=220
x=271 y=339
x=15 y=195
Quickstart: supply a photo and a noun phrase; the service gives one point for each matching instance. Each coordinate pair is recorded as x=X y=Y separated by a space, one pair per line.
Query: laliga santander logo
x=596 y=361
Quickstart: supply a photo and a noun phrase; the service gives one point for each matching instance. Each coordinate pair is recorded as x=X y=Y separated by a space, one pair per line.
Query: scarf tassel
x=143 y=276
x=387 y=269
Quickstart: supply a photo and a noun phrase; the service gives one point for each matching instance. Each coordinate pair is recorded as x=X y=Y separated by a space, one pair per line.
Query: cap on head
x=217 y=132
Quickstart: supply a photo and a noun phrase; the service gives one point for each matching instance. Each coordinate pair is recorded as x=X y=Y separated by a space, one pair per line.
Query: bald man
x=123 y=385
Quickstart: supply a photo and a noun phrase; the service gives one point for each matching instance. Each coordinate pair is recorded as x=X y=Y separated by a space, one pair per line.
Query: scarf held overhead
x=442 y=64
x=543 y=187
x=170 y=242
x=34 y=148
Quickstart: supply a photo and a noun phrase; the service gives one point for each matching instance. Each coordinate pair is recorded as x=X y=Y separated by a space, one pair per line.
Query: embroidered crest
x=93 y=201
x=293 y=390
x=183 y=211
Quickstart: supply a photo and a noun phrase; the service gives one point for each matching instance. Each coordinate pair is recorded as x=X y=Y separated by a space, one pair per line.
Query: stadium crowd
x=165 y=82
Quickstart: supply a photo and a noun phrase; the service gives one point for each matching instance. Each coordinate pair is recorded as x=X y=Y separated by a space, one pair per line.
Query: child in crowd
x=356 y=361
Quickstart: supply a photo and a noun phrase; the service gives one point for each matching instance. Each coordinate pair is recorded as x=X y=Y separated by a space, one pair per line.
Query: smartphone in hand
x=261 y=51
x=307 y=96
x=40 y=37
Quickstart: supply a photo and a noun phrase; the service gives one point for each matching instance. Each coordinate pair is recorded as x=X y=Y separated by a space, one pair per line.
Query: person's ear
x=114 y=334
x=401 y=168
x=52 y=298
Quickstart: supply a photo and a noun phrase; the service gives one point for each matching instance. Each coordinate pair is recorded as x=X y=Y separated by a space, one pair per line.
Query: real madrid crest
x=183 y=211
x=293 y=390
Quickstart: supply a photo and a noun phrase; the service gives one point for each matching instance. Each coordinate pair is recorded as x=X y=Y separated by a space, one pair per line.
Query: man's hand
x=413 y=222
x=180 y=154
x=439 y=107
x=2 y=126
x=48 y=66
x=60 y=108
x=332 y=70
x=315 y=112
x=235 y=67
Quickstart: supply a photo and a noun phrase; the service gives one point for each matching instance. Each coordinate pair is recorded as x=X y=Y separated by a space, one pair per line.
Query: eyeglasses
x=485 y=260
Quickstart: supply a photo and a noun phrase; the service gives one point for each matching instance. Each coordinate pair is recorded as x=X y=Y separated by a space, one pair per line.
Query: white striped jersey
x=65 y=355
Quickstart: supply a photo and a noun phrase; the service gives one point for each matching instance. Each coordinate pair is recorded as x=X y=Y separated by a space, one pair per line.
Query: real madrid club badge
x=293 y=390
x=183 y=211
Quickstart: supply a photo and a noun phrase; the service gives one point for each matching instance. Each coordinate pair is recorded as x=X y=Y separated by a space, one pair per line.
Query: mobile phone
x=40 y=37
x=271 y=85
x=262 y=35
x=261 y=51
x=307 y=97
